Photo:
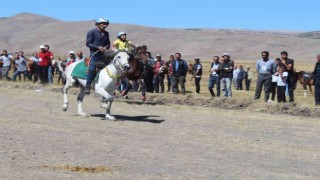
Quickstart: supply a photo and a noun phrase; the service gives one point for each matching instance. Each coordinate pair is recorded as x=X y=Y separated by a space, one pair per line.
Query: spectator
x=292 y=79
x=265 y=68
x=214 y=78
x=248 y=78
x=80 y=56
x=34 y=59
x=158 y=76
x=50 y=73
x=6 y=59
x=71 y=59
x=43 y=65
x=235 y=77
x=179 y=72
x=22 y=66
x=169 y=75
x=148 y=68
x=61 y=75
x=1 y=65
x=97 y=41
x=197 y=73
x=281 y=83
x=226 y=72
x=316 y=81
x=274 y=80
x=240 y=77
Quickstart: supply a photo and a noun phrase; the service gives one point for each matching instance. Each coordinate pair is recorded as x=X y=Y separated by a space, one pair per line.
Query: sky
x=295 y=15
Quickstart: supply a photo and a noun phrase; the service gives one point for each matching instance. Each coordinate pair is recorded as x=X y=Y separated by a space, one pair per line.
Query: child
x=281 y=83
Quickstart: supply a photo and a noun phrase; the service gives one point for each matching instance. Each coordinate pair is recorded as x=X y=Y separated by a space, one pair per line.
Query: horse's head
x=190 y=68
x=163 y=70
x=121 y=60
x=137 y=52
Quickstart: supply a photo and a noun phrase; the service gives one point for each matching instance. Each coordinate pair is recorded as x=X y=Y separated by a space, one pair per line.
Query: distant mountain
x=27 y=31
x=311 y=35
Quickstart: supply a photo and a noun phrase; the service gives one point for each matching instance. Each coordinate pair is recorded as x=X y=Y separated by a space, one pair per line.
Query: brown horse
x=136 y=73
x=305 y=80
x=190 y=68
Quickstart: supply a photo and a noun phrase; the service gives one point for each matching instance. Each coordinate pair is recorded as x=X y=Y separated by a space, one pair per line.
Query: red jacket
x=44 y=58
x=157 y=66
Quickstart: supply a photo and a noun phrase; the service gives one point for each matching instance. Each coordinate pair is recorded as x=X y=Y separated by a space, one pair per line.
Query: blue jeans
x=214 y=80
x=226 y=87
x=92 y=69
x=50 y=78
x=16 y=73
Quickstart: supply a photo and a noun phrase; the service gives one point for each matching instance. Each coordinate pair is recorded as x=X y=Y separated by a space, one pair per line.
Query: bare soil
x=180 y=137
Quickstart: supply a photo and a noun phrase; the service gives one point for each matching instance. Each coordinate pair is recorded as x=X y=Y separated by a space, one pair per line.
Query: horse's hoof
x=143 y=98
x=104 y=105
x=83 y=114
x=64 y=108
x=109 y=117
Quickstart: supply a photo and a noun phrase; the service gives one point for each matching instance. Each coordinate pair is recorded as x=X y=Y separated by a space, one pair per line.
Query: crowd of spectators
x=274 y=76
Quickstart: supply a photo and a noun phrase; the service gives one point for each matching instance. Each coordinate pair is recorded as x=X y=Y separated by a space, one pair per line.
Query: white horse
x=107 y=83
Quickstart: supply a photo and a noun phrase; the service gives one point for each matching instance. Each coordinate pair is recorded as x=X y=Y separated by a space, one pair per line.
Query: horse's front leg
x=64 y=91
x=305 y=91
x=108 y=111
x=310 y=89
x=107 y=101
x=80 y=100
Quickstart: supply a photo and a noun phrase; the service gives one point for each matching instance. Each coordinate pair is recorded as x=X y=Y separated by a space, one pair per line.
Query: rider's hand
x=102 y=49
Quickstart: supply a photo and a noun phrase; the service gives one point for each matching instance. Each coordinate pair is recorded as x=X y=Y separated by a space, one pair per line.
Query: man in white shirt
x=6 y=60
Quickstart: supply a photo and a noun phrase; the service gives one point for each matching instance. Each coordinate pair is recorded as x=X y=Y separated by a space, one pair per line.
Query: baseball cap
x=42 y=47
x=225 y=54
x=158 y=55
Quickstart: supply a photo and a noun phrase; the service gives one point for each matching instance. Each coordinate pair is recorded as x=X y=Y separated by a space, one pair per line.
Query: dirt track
x=40 y=141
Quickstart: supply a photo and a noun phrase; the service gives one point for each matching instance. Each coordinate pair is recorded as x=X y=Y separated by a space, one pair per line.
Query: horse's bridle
x=136 y=54
x=121 y=68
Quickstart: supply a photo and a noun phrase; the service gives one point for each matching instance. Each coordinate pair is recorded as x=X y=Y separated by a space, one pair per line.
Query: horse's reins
x=92 y=56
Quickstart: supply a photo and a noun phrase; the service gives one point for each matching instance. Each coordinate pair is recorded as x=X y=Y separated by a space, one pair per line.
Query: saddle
x=307 y=76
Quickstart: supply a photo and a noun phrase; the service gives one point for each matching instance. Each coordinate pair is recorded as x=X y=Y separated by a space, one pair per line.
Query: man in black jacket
x=316 y=81
x=179 y=72
x=98 y=42
x=291 y=79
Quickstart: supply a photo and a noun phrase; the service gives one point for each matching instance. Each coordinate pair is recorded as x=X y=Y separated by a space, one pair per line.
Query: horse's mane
x=137 y=56
x=108 y=55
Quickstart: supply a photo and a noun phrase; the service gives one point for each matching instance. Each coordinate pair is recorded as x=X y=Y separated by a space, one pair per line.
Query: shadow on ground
x=131 y=118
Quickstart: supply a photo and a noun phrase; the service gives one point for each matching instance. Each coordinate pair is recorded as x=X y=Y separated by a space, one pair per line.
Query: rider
x=121 y=42
x=98 y=42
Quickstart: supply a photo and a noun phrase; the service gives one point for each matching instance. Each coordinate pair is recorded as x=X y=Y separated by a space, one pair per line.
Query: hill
x=27 y=31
